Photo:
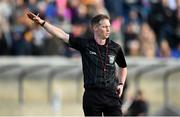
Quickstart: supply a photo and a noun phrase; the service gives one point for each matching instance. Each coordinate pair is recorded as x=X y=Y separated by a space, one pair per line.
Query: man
x=99 y=55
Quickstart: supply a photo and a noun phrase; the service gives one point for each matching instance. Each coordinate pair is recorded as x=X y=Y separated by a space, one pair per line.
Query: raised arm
x=53 y=30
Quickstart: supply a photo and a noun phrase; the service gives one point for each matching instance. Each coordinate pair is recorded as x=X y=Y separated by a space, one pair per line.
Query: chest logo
x=111 y=58
x=91 y=52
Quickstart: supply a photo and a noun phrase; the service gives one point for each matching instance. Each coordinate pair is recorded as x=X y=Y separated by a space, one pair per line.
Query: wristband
x=121 y=83
x=43 y=23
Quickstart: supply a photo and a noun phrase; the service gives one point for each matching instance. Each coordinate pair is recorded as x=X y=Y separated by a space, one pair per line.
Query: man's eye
x=106 y=26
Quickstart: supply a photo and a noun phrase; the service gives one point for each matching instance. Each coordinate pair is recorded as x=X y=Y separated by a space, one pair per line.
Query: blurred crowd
x=149 y=28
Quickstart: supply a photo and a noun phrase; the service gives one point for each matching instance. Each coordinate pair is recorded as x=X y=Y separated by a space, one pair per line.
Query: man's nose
x=108 y=29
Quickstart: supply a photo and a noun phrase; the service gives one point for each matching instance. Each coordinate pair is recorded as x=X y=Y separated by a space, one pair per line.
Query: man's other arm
x=122 y=80
x=123 y=75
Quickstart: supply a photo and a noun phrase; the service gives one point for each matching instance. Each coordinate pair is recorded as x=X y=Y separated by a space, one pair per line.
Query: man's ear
x=94 y=28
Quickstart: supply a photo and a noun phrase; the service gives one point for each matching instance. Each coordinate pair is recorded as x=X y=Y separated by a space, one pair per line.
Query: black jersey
x=98 y=61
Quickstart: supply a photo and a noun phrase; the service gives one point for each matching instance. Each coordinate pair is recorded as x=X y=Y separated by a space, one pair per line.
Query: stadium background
x=40 y=75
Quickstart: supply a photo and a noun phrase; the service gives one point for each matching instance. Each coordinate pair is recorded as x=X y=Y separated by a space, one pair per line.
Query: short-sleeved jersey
x=99 y=61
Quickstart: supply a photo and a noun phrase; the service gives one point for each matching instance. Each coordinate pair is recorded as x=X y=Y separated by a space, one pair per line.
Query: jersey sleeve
x=120 y=59
x=76 y=42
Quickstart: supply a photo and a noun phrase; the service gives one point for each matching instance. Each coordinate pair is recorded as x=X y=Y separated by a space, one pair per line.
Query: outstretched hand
x=34 y=17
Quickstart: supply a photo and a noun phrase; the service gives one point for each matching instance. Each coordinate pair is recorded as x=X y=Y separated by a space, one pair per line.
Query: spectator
x=148 y=41
x=51 y=11
x=4 y=50
x=139 y=105
x=165 y=51
x=176 y=27
x=38 y=41
x=117 y=31
x=127 y=17
x=130 y=34
x=114 y=7
x=6 y=41
x=176 y=52
x=134 y=48
x=161 y=20
x=32 y=5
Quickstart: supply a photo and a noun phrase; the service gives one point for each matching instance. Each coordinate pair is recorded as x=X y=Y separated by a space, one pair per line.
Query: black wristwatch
x=121 y=83
x=43 y=23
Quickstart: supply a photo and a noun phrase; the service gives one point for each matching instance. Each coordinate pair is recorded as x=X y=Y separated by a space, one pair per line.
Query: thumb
x=120 y=91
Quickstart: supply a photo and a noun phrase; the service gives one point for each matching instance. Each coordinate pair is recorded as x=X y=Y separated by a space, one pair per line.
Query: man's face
x=103 y=29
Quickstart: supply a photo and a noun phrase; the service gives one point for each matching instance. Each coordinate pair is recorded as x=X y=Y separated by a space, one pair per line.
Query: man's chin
x=107 y=37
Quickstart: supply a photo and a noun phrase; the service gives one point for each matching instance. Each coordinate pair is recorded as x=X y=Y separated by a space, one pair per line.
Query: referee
x=99 y=55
